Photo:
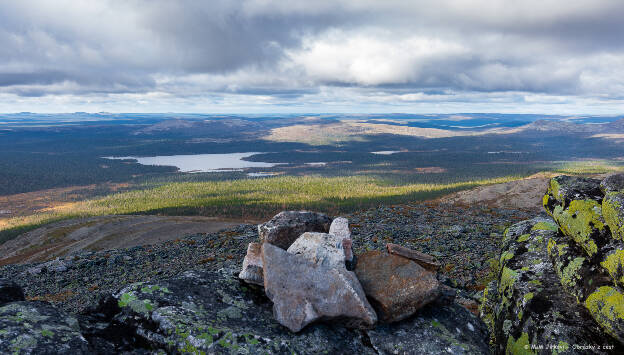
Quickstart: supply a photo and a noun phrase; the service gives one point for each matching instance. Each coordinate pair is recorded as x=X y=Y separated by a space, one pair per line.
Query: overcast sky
x=254 y=56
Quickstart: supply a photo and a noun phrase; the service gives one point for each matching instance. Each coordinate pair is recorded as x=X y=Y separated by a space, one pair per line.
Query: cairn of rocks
x=560 y=284
x=306 y=264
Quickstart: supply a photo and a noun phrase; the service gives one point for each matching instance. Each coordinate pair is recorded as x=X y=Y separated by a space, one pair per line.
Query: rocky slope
x=188 y=293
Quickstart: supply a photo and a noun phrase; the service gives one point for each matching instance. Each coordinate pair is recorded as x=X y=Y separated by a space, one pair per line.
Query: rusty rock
x=398 y=286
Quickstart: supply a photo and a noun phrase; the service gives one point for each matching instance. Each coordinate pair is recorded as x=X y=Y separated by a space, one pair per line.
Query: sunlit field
x=246 y=198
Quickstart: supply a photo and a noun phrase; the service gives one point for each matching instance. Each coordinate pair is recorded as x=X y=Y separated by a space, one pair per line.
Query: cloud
x=263 y=52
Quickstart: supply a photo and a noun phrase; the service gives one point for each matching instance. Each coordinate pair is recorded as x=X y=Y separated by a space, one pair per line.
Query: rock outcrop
x=397 y=286
x=579 y=253
x=283 y=229
x=39 y=328
x=212 y=312
x=303 y=291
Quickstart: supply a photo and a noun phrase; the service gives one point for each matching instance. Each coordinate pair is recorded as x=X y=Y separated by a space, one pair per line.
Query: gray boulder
x=39 y=328
x=283 y=229
x=10 y=292
x=320 y=248
x=304 y=292
x=398 y=286
x=252 y=265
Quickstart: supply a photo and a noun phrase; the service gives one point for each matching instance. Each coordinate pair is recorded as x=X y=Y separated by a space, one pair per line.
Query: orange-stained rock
x=398 y=286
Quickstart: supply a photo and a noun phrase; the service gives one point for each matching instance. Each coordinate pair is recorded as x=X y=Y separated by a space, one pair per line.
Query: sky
x=262 y=56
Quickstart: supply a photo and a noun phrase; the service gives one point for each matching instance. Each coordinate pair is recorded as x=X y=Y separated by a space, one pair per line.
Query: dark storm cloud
x=302 y=50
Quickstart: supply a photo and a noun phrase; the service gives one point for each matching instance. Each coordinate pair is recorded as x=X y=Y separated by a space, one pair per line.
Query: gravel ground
x=462 y=239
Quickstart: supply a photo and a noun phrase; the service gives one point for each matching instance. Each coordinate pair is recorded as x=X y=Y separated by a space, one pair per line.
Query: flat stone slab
x=304 y=292
x=398 y=286
x=424 y=260
x=283 y=229
x=252 y=265
x=320 y=248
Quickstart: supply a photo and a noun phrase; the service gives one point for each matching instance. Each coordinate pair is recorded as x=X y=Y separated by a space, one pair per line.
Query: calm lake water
x=387 y=152
x=195 y=163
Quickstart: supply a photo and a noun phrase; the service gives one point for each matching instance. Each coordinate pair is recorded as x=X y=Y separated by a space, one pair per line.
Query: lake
x=196 y=163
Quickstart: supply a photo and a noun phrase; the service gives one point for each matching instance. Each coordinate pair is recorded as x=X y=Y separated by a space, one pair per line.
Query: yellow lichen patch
x=545 y=200
x=545 y=226
x=614 y=264
x=553 y=189
x=606 y=306
x=613 y=213
x=520 y=346
x=581 y=221
x=505 y=287
x=561 y=248
x=569 y=275
x=523 y=238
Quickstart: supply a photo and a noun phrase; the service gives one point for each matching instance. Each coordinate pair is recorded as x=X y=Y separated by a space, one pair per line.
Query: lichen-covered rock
x=613 y=212
x=252 y=265
x=39 y=328
x=434 y=329
x=283 y=229
x=213 y=313
x=340 y=228
x=525 y=306
x=575 y=203
x=10 y=292
x=397 y=285
x=606 y=305
x=320 y=248
x=578 y=275
x=304 y=292
x=613 y=263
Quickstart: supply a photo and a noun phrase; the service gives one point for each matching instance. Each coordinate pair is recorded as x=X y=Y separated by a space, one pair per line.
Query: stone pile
x=304 y=263
x=560 y=281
